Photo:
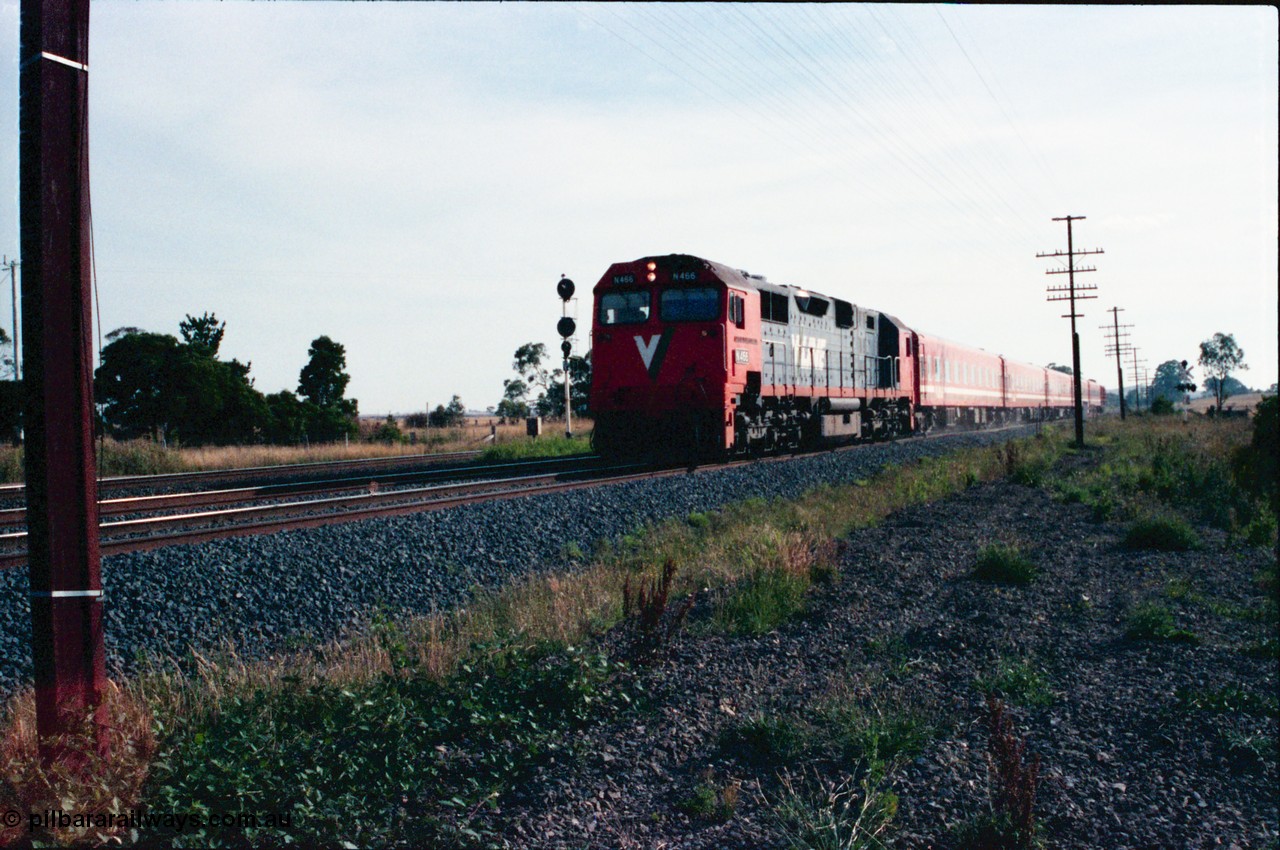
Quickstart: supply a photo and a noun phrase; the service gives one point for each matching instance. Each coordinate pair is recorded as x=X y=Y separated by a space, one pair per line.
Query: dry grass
x=143 y=457
x=100 y=787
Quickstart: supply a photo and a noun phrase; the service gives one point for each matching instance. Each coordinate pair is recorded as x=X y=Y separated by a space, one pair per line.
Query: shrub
x=1162 y=533
x=1004 y=564
x=1257 y=465
x=387 y=432
x=711 y=801
x=1162 y=406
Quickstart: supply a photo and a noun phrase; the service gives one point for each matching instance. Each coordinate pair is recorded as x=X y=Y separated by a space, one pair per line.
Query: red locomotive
x=690 y=356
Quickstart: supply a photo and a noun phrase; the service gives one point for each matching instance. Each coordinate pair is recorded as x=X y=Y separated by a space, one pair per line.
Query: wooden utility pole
x=1118 y=345
x=62 y=506
x=1137 y=379
x=1073 y=293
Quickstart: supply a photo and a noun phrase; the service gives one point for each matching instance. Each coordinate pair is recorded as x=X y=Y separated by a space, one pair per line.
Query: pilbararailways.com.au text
x=143 y=819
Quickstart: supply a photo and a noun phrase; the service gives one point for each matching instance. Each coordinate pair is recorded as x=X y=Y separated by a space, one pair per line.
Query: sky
x=413 y=179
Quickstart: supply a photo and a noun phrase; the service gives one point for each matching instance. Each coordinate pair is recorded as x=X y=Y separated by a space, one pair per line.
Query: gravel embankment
x=261 y=594
x=1144 y=744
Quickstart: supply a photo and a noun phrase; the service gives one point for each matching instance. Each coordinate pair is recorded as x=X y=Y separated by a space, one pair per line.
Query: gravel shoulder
x=1143 y=743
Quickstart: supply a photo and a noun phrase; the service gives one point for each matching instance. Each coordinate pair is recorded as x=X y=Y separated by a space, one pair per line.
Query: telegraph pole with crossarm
x=1118 y=344
x=1073 y=293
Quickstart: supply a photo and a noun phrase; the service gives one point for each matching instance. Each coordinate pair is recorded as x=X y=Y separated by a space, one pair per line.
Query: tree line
x=172 y=389
x=1220 y=356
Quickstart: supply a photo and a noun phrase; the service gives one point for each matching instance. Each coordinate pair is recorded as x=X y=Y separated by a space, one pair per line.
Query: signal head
x=564 y=289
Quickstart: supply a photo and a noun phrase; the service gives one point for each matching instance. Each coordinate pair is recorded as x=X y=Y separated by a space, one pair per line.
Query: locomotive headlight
x=652 y=277
x=652 y=267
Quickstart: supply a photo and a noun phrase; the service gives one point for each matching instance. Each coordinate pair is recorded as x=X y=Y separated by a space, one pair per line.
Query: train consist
x=693 y=357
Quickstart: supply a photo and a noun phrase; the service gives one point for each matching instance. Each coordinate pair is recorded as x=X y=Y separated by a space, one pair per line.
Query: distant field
x=1247 y=401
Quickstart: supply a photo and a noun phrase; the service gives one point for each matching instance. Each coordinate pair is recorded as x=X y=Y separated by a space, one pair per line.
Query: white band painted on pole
x=66 y=594
x=61 y=60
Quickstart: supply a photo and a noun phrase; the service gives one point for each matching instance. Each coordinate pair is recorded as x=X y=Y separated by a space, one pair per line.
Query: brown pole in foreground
x=62 y=507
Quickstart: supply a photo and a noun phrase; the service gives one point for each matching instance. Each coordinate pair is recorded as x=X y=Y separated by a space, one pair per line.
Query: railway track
x=152 y=522
x=302 y=471
x=168 y=519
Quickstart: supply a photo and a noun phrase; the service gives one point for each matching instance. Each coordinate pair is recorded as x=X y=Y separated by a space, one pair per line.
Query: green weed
x=1018 y=681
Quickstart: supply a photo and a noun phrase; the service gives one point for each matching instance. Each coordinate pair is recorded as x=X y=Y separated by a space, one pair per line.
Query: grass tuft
x=822 y=814
x=1161 y=533
x=1004 y=564
x=1018 y=681
x=1153 y=621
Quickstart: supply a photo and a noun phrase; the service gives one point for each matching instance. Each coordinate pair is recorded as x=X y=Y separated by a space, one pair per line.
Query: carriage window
x=624 y=308
x=690 y=305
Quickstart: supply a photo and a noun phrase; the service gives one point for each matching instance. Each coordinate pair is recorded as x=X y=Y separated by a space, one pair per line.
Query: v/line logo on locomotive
x=695 y=357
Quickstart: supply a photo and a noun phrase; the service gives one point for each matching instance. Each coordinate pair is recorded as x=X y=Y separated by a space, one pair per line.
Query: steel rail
x=392 y=503
x=140 y=504
x=16 y=490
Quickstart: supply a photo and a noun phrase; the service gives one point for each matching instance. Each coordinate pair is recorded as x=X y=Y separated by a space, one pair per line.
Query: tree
x=448 y=417
x=152 y=385
x=579 y=389
x=531 y=365
x=6 y=356
x=513 y=406
x=135 y=384
x=1230 y=387
x=322 y=381
x=1170 y=377
x=1220 y=356
x=286 y=419
x=1066 y=370
x=321 y=384
x=203 y=334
